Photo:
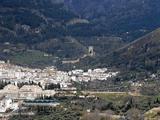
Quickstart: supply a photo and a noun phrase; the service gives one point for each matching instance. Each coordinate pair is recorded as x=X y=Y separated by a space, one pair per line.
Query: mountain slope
x=33 y=29
x=129 y=19
x=141 y=54
x=32 y=21
x=65 y=29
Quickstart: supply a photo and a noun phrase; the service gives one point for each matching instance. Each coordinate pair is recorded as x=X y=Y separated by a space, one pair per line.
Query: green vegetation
x=140 y=55
x=106 y=105
x=58 y=114
x=31 y=58
x=116 y=98
x=142 y=102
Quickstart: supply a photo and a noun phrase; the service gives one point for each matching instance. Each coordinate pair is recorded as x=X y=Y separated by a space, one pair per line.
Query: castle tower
x=91 y=51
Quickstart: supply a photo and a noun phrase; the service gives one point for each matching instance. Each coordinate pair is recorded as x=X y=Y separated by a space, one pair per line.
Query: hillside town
x=22 y=83
x=50 y=75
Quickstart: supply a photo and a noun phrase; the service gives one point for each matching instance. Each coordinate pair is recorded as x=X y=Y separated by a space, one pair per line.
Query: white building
x=8 y=104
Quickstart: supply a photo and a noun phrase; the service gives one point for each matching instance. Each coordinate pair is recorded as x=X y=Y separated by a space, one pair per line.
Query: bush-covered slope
x=47 y=26
x=129 y=19
x=141 y=54
x=32 y=21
